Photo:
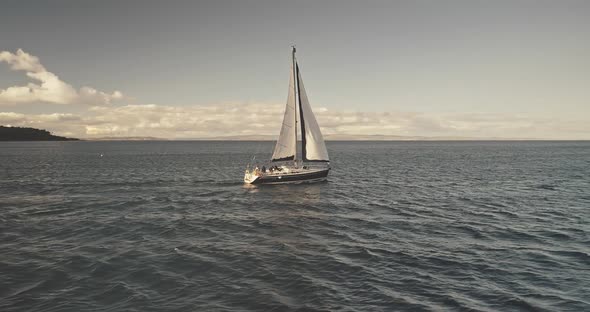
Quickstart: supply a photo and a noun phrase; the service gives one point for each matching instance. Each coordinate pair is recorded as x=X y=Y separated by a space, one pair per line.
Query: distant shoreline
x=24 y=134
x=330 y=141
x=342 y=140
x=328 y=138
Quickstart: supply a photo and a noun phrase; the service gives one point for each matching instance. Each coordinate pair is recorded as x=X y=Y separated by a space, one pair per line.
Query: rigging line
x=256 y=152
x=257 y=148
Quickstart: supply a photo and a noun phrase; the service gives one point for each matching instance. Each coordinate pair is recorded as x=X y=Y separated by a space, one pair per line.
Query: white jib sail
x=286 y=144
x=314 y=147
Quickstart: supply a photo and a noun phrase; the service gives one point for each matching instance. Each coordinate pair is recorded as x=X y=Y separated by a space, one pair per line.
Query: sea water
x=170 y=226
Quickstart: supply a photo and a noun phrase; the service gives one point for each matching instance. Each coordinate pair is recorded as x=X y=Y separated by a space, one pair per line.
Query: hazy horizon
x=190 y=70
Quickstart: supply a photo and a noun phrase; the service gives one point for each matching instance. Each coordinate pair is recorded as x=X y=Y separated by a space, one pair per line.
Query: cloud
x=234 y=119
x=48 y=87
x=185 y=122
x=99 y=119
x=21 y=60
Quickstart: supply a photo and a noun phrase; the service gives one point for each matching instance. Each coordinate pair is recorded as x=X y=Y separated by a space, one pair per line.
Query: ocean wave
x=417 y=229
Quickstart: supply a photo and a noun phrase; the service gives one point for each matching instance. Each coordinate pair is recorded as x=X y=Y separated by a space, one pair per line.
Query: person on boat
x=263 y=169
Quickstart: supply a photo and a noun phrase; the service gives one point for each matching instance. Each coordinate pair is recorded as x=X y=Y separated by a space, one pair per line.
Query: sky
x=199 y=69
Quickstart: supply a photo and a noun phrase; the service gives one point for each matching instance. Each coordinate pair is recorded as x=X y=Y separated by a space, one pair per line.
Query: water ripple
x=400 y=226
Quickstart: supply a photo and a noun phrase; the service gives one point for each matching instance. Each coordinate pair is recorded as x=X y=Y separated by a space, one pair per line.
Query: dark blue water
x=169 y=226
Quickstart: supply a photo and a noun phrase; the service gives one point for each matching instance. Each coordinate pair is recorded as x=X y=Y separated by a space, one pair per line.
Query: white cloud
x=49 y=88
x=232 y=119
x=8 y=118
x=21 y=60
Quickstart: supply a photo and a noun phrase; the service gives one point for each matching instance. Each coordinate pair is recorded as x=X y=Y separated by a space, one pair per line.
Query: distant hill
x=29 y=134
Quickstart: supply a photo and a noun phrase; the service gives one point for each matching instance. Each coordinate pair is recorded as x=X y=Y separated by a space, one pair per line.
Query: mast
x=295 y=88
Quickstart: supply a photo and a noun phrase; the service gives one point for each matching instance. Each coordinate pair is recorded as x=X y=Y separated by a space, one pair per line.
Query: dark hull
x=293 y=178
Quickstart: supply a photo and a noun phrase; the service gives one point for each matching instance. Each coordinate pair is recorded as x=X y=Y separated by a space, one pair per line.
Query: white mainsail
x=286 y=146
x=313 y=146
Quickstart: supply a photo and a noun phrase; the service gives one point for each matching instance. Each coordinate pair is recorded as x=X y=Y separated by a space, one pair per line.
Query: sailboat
x=290 y=164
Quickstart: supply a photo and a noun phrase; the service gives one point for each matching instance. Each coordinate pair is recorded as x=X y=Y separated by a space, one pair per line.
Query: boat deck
x=290 y=176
